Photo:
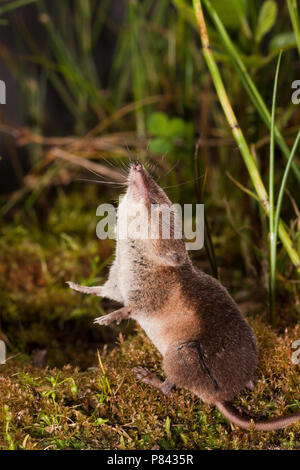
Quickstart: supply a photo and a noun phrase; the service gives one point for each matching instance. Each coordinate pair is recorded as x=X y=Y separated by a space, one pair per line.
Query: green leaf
x=160 y=146
x=283 y=41
x=230 y=12
x=100 y=421
x=266 y=19
x=168 y=427
x=158 y=124
x=176 y=128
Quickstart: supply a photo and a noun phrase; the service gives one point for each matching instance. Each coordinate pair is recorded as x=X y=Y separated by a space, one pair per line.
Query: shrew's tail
x=260 y=425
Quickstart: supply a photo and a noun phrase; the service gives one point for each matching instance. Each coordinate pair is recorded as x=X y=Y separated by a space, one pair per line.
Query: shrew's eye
x=154 y=204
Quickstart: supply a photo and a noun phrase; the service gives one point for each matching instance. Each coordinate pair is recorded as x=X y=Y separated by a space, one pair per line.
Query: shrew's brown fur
x=206 y=344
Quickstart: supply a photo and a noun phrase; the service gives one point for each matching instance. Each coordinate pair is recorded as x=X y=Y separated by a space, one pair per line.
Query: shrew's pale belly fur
x=155 y=331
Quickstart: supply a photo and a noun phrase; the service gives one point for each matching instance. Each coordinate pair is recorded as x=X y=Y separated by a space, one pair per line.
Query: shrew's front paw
x=116 y=316
x=103 y=320
x=73 y=285
x=95 y=290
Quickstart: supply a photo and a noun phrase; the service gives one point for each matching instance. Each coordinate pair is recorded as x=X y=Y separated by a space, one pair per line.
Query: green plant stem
x=248 y=84
x=272 y=241
x=238 y=135
x=208 y=243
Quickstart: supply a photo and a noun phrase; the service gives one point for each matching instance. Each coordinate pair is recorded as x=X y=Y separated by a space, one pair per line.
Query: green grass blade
x=283 y=184
x=14 y=5
x=294 y=15
x=272 y=241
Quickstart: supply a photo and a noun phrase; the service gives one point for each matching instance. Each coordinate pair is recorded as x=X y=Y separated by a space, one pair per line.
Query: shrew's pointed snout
x=137 y=166
x=137 y=181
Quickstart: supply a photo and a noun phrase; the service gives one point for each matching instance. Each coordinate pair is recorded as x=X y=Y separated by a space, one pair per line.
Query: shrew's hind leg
x=151 y=379
x=187 y=365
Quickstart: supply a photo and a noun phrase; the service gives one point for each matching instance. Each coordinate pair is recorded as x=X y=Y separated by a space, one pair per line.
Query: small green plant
x=104 y=384
x=167 y=133
x=8 y=424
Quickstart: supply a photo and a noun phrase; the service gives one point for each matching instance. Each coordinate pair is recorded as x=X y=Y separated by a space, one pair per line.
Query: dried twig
x=84 y=163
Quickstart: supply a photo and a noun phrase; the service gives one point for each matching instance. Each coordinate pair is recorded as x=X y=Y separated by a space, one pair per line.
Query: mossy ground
x=69 y=408
x=71 y=403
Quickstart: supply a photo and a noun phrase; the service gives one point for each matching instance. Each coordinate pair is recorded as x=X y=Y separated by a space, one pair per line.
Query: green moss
x=71 y=408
